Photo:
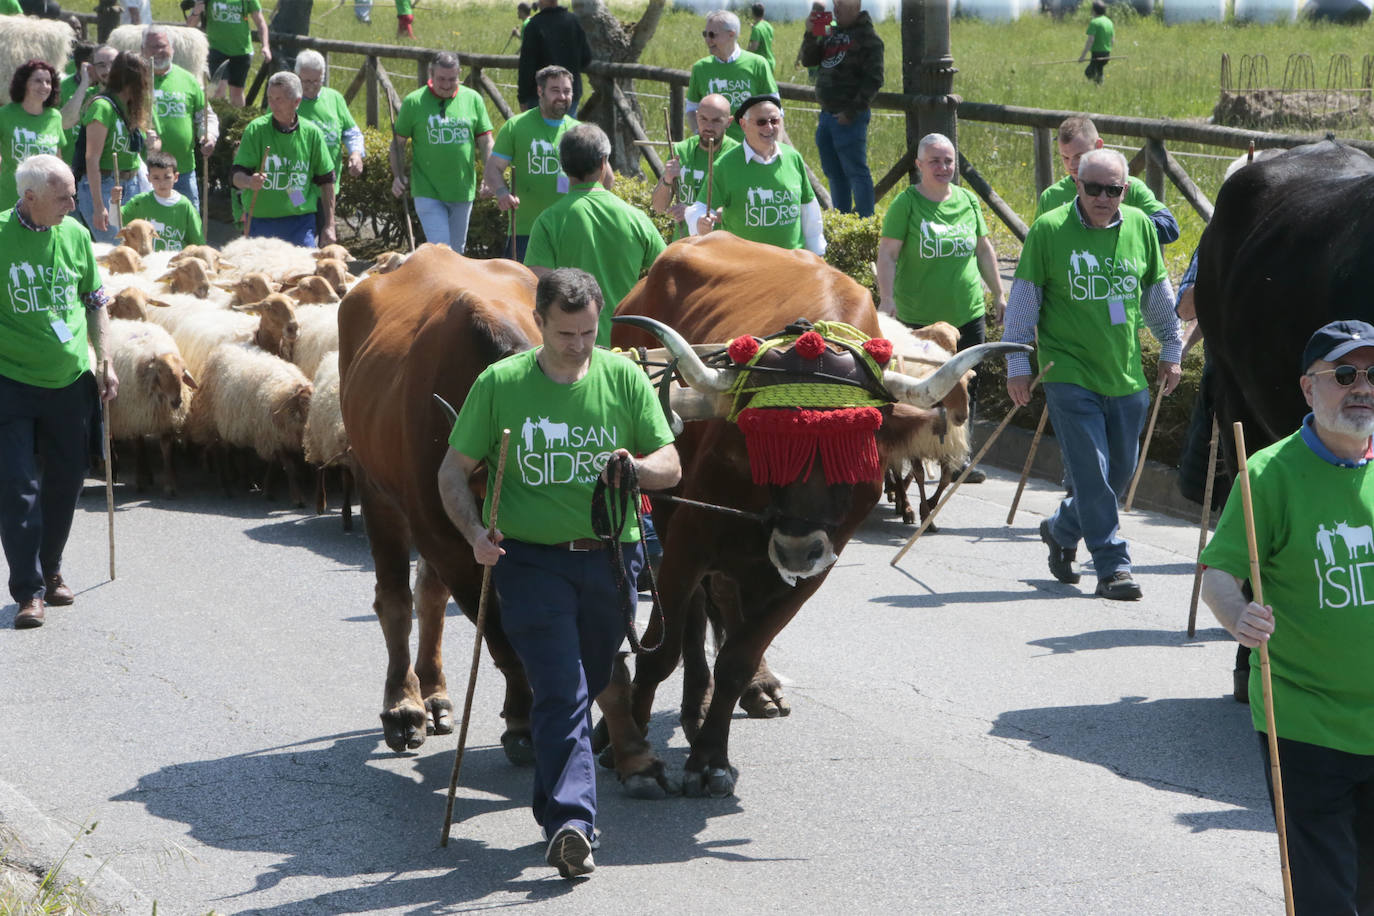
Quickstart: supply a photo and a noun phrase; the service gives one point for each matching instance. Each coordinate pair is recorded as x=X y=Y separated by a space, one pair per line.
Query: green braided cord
x=807 y=394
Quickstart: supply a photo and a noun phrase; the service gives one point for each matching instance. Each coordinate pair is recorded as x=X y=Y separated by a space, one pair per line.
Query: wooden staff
x=1258 y=590
x=248 y=217
x=710 y=171
x=204 y=160
x=1051 y=63
x=477 y=643
x=400 y=160
x=929 y=519
x=1206 y=522
x=109 y=467
x=1144 y=449
x=116 y=217
x=514 y=248
x=1030 y=459
x=668 y=132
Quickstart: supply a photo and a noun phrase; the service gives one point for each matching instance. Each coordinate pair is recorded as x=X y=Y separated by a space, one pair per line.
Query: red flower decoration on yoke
x=810 y=345
x=742 y=349
x=880 y=348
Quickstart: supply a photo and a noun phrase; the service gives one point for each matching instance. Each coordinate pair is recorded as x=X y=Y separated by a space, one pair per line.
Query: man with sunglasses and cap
x=1090 y=274
x=1313 y=496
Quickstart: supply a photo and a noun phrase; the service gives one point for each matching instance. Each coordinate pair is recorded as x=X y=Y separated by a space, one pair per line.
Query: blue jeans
x=187 y=185
x=47 y=425
x=298 y=230
x=562 y=614
x=1099 y=438
x=85 y=203
x=844 y=159
x=444 y=222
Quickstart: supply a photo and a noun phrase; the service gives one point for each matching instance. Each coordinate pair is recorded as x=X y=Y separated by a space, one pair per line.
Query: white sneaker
x=571 y=853
x=596 y=836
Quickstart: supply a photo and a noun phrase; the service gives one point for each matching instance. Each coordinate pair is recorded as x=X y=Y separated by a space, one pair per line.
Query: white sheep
x=199 y=327
x=24 y=38
x=274 y=257
x=326 y=442
x=154 y=394
x=251 y=399
x=319 y=334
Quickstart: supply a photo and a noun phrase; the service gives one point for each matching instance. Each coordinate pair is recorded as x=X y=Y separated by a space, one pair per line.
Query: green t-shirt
x=1137 y=195
x=691 y=183
x=1101 y=29
x=1092 y=281
x=46 y=274
x=561 y=438
x=176 y=221
x=592 y=229
x=11 y=8
x=116 y=148
x=329 y=112
x=180 y=101
x=67 y=89
x=296 y=160
x=937 y=271
x=530 y=144
x=762 y=32
x=762 y=202
x=443 y=164
x=749 y=74
x=23 y=135
x=403 y=8
x=1316 y=553
x=227 y=27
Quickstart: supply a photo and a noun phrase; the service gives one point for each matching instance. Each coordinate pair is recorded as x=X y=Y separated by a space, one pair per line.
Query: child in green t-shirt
x=176 y=221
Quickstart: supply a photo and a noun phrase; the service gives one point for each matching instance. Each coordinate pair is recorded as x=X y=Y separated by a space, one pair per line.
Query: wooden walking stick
x=109 y=468
x=248 y=217
x=204 y=159
x=1276 y=780
x=1144 y=449
x=929 y=519
x=1030 y=459
x=1202 y=533
x=476 y=644
x=400 y=160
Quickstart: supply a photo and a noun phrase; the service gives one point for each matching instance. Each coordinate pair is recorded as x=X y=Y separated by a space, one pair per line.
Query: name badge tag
x=296 y=196
x=1116 y=309
x=59 y=327
x=562 y=183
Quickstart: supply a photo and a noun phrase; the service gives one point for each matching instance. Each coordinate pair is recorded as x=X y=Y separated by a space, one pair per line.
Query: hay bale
x=189 y=48
x=24 y=38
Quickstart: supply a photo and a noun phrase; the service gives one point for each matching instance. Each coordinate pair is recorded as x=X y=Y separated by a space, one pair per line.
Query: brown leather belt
x=580 y=545
x=126 y=175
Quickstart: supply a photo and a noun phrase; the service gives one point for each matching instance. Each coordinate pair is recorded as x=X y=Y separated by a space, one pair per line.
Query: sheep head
x=130 y=303
x=191 y=275
x=139 y=235
x=277 y=325
x=123 y=260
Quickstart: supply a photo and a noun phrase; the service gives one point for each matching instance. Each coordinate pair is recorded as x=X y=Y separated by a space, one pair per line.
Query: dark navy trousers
x=563 y=615
x=43 y=460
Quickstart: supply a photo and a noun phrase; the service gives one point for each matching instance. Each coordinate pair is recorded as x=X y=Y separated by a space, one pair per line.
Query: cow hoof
x=652 y=785
x=440 y=716
x=713 y=782
x=908 y=517
x=764 y=700
x=404 y=729
x=518 y=747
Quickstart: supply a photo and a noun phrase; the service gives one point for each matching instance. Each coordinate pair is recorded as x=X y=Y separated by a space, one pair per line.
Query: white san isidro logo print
x=25 y=143
x=736 y=90
x=284 y=173
x=40 y=288
x=552 y=452
x=1345 y=555
x=543 y=158
x=940 y=240
x=443 y=129
x=1091 y=277
x=170 y=104
x=764 y=207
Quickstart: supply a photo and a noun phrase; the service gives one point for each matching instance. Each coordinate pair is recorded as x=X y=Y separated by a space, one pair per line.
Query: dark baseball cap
x=754 y=100
x=1336 y=339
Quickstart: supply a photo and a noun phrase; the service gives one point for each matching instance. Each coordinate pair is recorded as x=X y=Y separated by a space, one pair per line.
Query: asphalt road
x=967 y=736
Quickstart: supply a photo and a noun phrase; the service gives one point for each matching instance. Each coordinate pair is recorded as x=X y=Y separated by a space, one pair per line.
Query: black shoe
x=571 y=853
x=1061 y=558
x=1119 y=587
x=1240 y=683
x=974 y=476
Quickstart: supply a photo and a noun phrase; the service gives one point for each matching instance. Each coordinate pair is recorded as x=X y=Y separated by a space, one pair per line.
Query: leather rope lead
x=609 y=517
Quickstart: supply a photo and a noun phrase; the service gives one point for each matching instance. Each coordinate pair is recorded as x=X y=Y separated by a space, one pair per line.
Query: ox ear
x=931 y=390
x=187 y=380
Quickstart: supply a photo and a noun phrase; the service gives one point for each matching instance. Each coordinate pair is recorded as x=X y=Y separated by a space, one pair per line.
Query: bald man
x=688 y=166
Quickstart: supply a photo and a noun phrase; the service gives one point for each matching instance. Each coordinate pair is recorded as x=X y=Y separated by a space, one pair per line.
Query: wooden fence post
x=677 y=107
x=372 y=112
x=1044 y=158
x=1154 y=172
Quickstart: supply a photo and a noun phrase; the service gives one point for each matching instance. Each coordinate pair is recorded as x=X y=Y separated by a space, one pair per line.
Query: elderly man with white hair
x=328 y=110
x=1091 y=273
x=185 y=121
x=727 y=70
x=52 y=313
x=283 y=158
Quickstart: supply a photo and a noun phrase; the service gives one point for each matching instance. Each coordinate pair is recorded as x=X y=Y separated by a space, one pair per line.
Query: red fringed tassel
x=783 y=444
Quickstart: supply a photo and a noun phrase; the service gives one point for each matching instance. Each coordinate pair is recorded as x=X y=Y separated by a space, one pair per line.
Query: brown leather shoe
x=30 y=615
x=58 y=593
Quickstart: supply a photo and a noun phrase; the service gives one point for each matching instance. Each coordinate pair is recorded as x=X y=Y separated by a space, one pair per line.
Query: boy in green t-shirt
x=173 y=216
x=1099 y=43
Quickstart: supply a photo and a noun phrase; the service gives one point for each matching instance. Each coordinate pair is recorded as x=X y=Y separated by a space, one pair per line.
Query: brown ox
x=752 y=577
x=430 y=327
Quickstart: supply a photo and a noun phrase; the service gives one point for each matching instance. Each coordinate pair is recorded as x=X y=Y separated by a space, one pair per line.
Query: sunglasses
x=1345 y=375
x=767 y=122
x=709 y=34
x=1111 y=190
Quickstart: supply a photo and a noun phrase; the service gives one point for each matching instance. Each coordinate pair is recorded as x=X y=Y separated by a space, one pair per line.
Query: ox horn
x=696 y=373
x=931 y=390
x=448 y=410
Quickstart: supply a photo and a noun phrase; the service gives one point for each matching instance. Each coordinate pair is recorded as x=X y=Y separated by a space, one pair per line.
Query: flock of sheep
x=228 y=358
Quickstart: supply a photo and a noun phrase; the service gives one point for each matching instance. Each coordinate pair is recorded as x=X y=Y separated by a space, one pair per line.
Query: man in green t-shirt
x=761 y=36
x=727 y=70
x=327 y=110
x=592 y=229
x=284 y=159
x=449 y=125
x=185 y=121
x=52 y=314
x=1313 y=500
x=527 y=144
x=686 y=172
x=231 y=40
x=1091 y=273
x=576 y=413
x=1077 y=136
x=1099 y=44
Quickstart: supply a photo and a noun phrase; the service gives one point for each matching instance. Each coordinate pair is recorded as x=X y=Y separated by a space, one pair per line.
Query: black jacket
x=851 y=66
x=552 y=36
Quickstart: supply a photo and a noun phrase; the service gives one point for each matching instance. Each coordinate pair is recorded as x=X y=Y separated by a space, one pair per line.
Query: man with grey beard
x=1313 y=496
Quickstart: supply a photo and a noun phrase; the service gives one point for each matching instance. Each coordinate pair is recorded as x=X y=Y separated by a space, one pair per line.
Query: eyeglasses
x=709 y=34
x=767 y=122
x=1345 y=375
x=1093 y=189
